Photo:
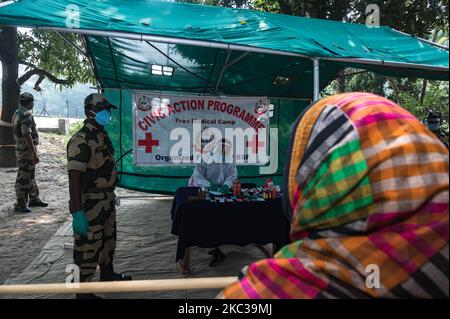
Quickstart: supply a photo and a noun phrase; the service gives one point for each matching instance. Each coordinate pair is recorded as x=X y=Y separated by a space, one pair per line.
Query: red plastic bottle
x=238 y=188
x=266 y=185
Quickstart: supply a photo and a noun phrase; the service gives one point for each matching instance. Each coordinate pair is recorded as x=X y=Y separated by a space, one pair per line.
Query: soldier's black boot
x=115 y=277
x=218 y=256
x=37 y=203
x=107 y=274
x=86 y=296
x=22 y=209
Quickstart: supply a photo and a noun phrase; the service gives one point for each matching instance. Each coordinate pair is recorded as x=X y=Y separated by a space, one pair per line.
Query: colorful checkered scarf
x=368 y=191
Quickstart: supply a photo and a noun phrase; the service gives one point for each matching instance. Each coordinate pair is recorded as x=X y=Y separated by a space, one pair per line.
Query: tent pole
x=170 y=40
x=4 y=4
x=238 y=47
x=175 y=62
x=239 y=58
x=191 y=93
x=72 y=44
x=91 y=61
x=225 y=65
x=316 y=79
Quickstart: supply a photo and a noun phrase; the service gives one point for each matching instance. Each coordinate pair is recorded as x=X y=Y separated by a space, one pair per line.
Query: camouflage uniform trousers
x=98 y=247
x=26 y=187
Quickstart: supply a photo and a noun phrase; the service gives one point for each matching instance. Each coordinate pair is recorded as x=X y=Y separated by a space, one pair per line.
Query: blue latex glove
x=225 y=189
x=214 y=187
x=80 y=223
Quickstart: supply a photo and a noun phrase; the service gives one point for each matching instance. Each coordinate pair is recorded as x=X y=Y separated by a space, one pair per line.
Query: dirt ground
x=22 y=236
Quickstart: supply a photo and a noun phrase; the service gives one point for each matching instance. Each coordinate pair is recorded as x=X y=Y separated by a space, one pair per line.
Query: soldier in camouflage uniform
x=27 y=139
x=92 y=179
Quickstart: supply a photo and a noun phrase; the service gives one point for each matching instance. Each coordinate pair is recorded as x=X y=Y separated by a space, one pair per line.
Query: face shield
x=223 y=152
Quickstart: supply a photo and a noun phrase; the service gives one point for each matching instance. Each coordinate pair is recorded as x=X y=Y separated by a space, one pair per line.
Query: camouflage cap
x=98 y=101
x=26 y=97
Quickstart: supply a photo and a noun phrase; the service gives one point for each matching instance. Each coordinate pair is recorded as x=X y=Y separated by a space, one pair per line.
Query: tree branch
x=396 y=89
x=42 y=75
x=38 y=82
x=285 y=6
x=27 y=64
x=37 y=44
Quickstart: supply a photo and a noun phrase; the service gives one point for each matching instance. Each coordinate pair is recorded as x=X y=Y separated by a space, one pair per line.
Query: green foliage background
x=423 y=18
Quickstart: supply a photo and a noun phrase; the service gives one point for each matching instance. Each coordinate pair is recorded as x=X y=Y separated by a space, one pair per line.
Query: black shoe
x=115 y=277
x=22 y=209
x=87 y=296
x=37 y=203
x=218 y=257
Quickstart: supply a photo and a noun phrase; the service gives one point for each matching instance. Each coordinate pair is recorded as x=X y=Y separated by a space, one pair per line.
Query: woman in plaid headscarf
x=367 y=189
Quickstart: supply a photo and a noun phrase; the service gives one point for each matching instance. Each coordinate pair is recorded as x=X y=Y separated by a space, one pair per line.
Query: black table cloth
x=209 y=224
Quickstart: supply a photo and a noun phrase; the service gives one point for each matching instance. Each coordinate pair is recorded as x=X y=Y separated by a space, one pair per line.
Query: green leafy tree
x=50 y=55
x=47 y=55
x=435 y=99
x=416 y=17
x=423 y=18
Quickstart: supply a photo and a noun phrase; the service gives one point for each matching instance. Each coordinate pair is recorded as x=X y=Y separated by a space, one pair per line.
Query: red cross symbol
x=254 y=144
x=148 y=142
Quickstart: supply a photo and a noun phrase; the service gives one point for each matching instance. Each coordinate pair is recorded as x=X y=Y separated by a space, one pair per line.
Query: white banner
x=173 y=129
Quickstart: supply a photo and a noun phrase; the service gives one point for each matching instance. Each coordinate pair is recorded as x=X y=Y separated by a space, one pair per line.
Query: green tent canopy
x=220 y=51
x=130 y=35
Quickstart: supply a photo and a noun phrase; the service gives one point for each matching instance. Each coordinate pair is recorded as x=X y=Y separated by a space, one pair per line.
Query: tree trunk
x=423 y=91
x=10 y=93
x=396 y=90
x=285 y=7
x=341 y=82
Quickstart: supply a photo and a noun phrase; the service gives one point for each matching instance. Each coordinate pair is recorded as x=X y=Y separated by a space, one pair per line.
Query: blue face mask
x=103 y=117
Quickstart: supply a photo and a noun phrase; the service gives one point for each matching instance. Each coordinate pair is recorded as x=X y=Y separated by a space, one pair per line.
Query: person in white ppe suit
x=220 y=173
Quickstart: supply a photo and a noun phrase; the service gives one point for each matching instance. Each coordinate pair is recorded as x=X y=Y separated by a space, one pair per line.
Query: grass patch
x=74 y=127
